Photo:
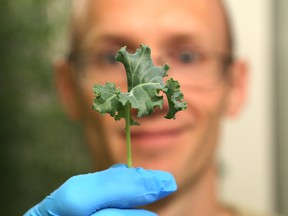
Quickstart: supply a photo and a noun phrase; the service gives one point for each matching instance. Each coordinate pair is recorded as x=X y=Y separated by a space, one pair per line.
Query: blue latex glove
x=112 y=192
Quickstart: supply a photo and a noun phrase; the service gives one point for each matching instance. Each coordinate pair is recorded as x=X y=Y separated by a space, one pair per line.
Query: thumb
x=124 y=212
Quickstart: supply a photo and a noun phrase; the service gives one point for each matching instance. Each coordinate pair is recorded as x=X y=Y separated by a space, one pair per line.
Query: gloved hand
x=112 y=192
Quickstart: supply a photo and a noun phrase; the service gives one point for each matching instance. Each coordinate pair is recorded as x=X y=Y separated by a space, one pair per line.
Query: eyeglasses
x=189 y=66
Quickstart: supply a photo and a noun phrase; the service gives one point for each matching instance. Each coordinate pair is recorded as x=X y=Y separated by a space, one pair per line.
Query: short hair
x=80 y=16
x=78 y=22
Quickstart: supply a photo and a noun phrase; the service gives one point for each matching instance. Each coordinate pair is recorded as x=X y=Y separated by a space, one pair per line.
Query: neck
x=194 y=200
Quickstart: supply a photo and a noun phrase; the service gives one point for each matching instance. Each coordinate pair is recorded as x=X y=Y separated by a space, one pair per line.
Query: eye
x=103 y=58
x=108 y=58
x=188 y=57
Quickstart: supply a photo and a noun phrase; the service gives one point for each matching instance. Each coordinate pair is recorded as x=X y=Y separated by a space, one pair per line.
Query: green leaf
x=106 y=99
x=174 y=97
x=144 y=81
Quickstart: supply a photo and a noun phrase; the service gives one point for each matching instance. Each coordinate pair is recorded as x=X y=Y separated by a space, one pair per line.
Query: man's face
x=184 y=146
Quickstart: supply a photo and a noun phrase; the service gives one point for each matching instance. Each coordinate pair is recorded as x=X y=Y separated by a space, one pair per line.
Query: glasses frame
x=75 y=58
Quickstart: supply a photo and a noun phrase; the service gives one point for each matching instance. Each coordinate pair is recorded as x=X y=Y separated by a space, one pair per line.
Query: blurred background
x=40 y=148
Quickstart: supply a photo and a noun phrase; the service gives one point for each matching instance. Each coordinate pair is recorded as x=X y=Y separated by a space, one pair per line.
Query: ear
x=67 y=88
x=238 y=88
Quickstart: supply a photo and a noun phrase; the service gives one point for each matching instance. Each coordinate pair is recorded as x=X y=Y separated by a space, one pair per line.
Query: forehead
x=150 y=21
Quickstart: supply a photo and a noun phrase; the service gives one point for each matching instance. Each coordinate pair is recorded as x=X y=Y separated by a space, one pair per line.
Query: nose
x=157 y=59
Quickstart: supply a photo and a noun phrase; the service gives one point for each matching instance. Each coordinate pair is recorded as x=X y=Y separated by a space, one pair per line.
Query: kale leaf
x=145 y=83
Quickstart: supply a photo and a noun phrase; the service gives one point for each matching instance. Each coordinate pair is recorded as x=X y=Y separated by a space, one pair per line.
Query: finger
x=134 y=186
x=118 y=187
x=124 y=212
x=119 y=165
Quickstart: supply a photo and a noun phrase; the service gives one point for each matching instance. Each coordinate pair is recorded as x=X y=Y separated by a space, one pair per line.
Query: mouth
x=153 y=140
x=155 y=134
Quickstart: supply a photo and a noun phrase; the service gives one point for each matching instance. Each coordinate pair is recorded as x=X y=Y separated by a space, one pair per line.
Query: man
x=194 y=38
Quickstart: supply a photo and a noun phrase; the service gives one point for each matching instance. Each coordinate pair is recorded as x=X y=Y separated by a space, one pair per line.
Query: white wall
x=247 y=145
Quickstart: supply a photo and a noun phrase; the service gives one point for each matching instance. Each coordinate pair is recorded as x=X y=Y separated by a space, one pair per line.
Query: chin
x=156 y=162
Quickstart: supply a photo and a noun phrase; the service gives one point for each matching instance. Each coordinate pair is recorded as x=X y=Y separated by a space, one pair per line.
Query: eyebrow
x=183 y=38
x=115 y=39
x=120 y=40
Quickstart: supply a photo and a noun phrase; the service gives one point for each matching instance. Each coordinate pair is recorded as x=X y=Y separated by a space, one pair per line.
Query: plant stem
x=128 y=136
